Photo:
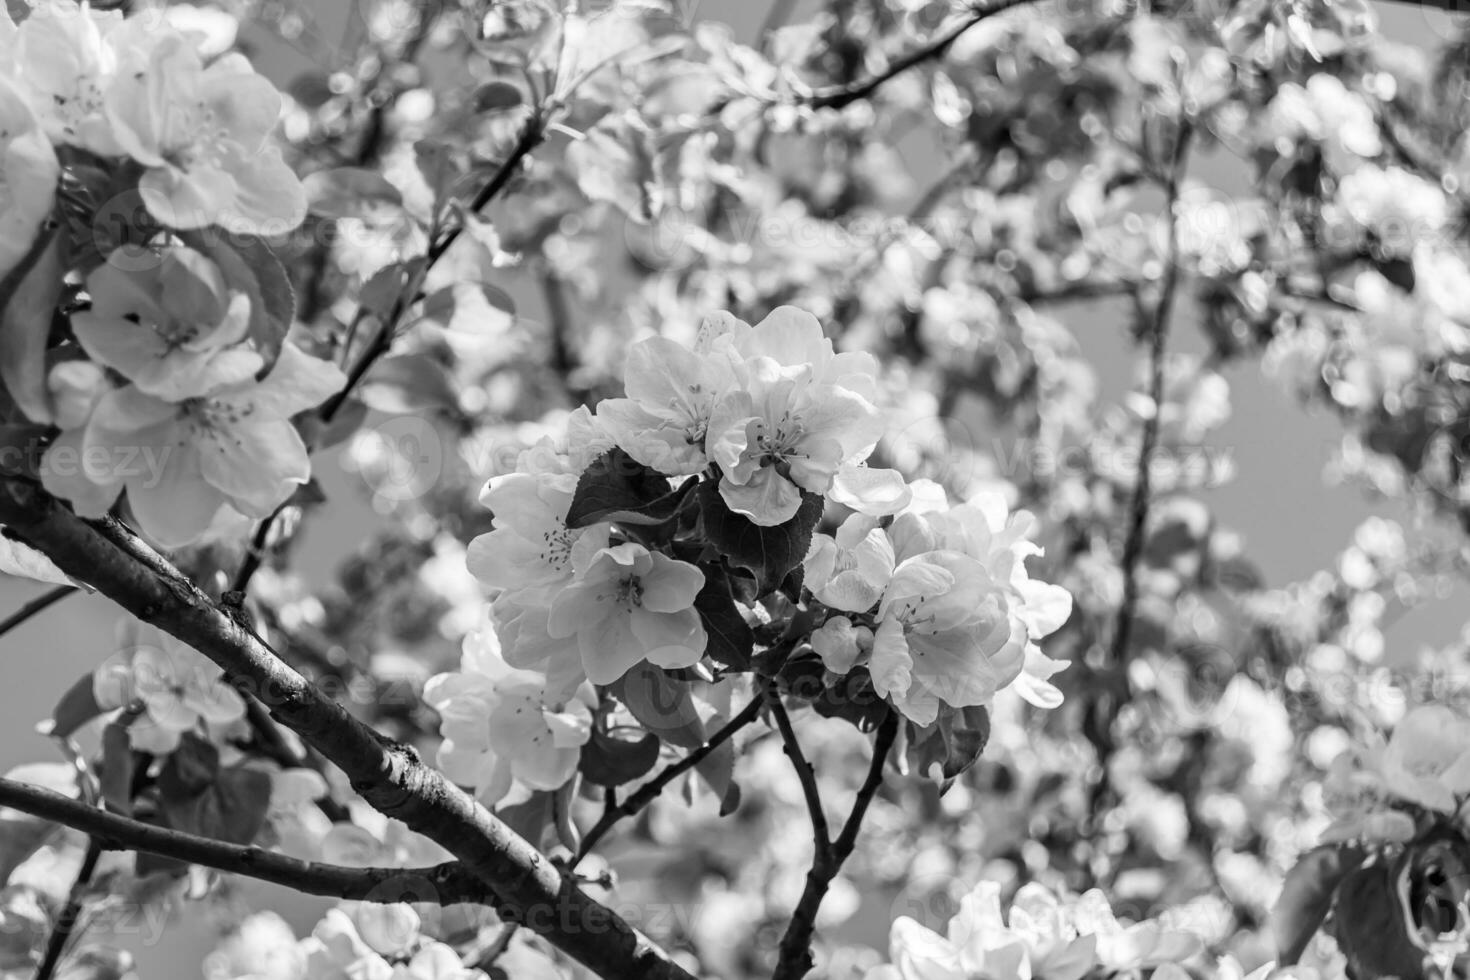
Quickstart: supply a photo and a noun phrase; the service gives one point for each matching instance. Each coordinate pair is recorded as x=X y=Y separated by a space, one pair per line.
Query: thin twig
x=67 y=920
x=37 y=605
x=531 y=136
x=1103 y=709
x=651 y=790
x=445 y=884
x=846 y=95
x=821 y=837
x=795 y=957
x=1158 y=339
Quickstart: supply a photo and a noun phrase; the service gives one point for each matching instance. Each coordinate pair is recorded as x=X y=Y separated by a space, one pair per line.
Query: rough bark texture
x=530 y=890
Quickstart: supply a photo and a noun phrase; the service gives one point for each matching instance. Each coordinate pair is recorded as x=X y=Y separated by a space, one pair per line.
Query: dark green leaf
x=440 y=166
x=662 y=705
x=717 y=769
x=76 y=707
x=1306 y=898
x=381 y=292
x=616 y=487
x=250 y=266
x=730 y=638
x=189 y=771
x=408 y=384
x=953 y=743
x=349 y=192
x=312 y=89
x=615 y=758
x=495 y=96
x=1369 y=925
x=198 y=797
x=28 y=297
x=469 y=306
x=768 y=553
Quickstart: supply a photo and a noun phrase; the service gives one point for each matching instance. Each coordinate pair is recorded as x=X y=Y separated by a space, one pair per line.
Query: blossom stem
x=795 y=956
x=36 y=606
x=651 y=790
x=71 y=912
x=443 y=884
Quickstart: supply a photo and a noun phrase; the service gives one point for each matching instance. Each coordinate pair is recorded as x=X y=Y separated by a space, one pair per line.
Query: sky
x=1291 y=520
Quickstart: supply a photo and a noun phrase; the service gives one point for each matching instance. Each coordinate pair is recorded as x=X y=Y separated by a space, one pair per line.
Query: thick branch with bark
x=530 y=889
x=444 y=884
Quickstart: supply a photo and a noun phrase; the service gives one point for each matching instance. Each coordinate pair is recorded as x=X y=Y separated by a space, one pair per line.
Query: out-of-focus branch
x=1104 y=707
x=795 y=957
x=37 y=605
x=650 y=790
x=531 y=136
x=70 y=913
x=106 y=555
x=369 y=148
x=846 y=95
x=532 y=133
x=443 y=884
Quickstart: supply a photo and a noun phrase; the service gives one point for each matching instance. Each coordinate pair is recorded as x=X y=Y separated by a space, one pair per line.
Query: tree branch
x=804 y=772
x=650 y=790
x=37 y=605
x=67 y=920
x=1104 y=706
x=531 y=136
x=846 y=95
x=443 y=884
x=795 y=958
x=531 y=890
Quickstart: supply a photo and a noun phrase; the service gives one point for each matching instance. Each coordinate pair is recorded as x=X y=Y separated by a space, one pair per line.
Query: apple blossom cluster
x=139 y=92
x=1044 y=936
x=690 y=508
x=361 y=941
x=937 y=603
x=138 y=162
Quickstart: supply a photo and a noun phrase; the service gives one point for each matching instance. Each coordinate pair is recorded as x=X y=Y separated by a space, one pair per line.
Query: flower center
x=212 y=417
x=627 y=592
x=556 y=546
x=776 y=443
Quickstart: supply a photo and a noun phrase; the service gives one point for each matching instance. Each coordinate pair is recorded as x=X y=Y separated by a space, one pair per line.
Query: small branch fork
x=794 y=958
x=649 y=791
